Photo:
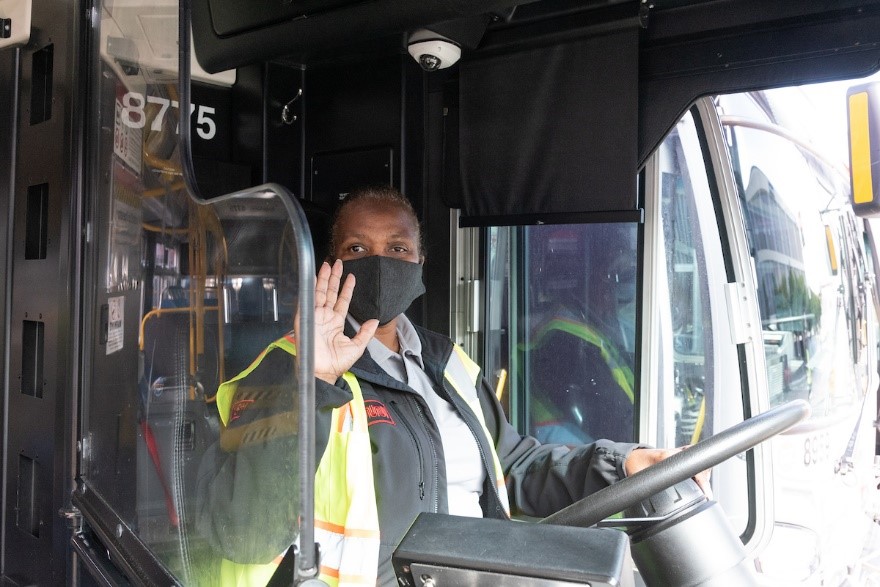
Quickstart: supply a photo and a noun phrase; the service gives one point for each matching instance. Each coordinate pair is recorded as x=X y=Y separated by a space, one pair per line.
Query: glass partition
x=185 y=297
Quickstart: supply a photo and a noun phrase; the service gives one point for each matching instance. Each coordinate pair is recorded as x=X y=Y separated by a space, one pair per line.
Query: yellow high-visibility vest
x=346 y=516
x=465 y=383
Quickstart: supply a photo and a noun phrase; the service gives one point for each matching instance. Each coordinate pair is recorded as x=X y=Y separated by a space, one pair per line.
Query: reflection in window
x=185 y=297
x=699 y=384
x=801 y=242
x=688 y=295
x=572 y=316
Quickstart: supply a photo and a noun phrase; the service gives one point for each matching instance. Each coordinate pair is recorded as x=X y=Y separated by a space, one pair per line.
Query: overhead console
x=552 y=106
x=228 y=18
x=229 y=33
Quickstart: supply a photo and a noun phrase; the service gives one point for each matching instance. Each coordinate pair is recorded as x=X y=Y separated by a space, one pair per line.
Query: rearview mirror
x=863 y=122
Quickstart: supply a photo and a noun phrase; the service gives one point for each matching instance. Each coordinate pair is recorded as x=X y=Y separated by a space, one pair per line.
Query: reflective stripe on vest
x=463 y=374
x=346 y=517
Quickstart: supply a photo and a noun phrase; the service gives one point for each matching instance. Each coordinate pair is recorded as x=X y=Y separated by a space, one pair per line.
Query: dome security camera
x=433 y=52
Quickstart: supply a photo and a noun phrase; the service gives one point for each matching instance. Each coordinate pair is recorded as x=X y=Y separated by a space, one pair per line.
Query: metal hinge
x=472 y=305
x=739 y=312
x=73 y=517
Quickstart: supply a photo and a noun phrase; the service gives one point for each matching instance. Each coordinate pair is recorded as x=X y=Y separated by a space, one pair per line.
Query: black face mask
x=384 y=288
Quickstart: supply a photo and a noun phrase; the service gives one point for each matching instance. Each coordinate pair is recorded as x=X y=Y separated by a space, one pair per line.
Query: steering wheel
x=681 y=466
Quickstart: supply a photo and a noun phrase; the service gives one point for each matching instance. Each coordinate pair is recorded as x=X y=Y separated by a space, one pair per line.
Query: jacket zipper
x=469 y=420
x=436 y=504
x=419 y=451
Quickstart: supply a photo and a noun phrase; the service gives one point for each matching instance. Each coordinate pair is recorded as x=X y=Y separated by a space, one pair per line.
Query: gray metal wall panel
x=8 y=110
x=35 y=549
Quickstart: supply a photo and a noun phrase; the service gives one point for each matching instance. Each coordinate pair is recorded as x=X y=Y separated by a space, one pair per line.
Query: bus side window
x=565 y=306
x=691 y=379
x=689 y=325
x=579 y=331
x=809 y=312
x=806 y=248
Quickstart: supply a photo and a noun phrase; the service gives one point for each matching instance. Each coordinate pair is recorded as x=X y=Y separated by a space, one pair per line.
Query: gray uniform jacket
x=241 y=514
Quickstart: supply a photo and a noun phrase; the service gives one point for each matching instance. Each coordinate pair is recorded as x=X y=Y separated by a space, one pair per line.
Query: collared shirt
x=464 y=468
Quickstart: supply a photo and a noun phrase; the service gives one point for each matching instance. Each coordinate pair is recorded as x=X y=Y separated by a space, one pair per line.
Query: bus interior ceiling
x=676 y=50
x=582 y=90
x=614 y=76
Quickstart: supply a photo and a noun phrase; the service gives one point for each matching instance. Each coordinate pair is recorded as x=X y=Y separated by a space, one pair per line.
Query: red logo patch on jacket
x=237 y=408
x=377 y=413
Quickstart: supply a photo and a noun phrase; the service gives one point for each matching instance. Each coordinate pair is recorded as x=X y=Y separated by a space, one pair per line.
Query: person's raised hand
x=642 y=458
x=335 y=352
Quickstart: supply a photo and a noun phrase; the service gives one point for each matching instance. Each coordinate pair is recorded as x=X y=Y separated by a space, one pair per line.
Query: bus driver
x=437 y=439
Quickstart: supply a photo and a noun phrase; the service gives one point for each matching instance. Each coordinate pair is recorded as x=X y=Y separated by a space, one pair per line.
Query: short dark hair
x=377 y=194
